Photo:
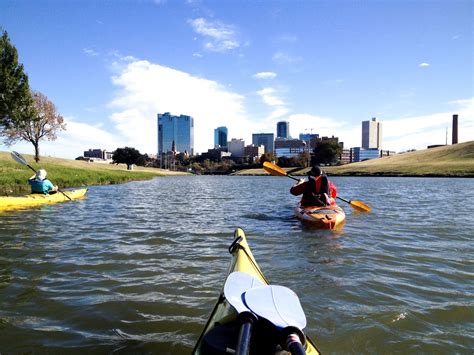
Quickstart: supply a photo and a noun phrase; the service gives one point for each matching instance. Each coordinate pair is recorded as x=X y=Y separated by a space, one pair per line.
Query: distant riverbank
x=70 y=173
x=448 y=161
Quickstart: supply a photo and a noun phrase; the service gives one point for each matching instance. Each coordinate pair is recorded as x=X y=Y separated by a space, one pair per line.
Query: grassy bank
x=453 y=160
x=450 y=161
x=69 y=173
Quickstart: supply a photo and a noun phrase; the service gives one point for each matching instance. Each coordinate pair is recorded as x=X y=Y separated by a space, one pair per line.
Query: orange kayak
x=326 y=217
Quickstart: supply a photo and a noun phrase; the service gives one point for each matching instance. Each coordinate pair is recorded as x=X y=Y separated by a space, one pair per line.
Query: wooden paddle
x=19 y=159
x=277 y=171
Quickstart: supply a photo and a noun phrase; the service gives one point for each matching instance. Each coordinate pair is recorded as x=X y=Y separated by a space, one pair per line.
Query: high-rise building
x=177 y=129
x=289 y=147
x=372 y=134
x=283 y=129
x=265 y=139
x=236 y=147
x=220 y=137
x=310 y=139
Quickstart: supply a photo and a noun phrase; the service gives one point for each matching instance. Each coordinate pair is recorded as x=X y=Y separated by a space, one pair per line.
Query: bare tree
x=44 y=124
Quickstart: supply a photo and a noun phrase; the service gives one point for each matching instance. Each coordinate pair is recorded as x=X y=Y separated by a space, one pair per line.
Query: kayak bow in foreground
x=221 y=332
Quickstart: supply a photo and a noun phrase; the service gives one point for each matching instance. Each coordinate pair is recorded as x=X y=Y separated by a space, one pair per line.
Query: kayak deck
x=221 y=330
x=32 y=200
x=325 y=217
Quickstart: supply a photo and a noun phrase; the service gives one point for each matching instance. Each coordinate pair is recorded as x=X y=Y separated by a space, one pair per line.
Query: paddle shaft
x=343 y=199
x=294 y=346
x=243 y=342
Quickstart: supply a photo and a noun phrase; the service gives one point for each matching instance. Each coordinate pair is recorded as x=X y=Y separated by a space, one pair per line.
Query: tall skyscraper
x=372 y=134
x=179 y=129
x=265 y=139
x=283 y=129
x=220 y=137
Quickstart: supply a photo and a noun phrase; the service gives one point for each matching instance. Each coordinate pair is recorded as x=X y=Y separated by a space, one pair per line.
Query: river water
x=136 y=268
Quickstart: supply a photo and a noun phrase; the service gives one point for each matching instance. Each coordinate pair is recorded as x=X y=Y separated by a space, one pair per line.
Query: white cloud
x=402 y=134
x=284 y=58
x=90 y=52
x=308 y=123
x=270 y=98
x=264 y=75
x=146 y=89
x=77 y=138
x=424 y=65
x=219 y=37
x=277 y=113
x=418 y=132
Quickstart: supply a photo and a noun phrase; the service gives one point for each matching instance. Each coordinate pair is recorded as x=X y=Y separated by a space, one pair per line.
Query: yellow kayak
x=31 y=200
x=221 y=331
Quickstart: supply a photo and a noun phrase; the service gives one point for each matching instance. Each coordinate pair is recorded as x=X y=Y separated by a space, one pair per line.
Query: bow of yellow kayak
x=31 y=200
x=221 y=331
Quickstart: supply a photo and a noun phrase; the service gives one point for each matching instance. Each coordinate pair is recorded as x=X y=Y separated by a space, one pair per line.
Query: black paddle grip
x=294 y=340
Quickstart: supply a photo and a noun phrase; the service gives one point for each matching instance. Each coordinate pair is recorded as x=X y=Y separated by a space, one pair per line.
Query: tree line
x=326 y=152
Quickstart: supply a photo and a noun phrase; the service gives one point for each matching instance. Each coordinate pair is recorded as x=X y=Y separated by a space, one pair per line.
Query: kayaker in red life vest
x=317 y=191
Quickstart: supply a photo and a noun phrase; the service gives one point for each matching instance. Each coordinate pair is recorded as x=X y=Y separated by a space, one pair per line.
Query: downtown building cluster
x=176 y=135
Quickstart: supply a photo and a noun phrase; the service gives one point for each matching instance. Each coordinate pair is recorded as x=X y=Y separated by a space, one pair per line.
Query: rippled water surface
x=136 y=268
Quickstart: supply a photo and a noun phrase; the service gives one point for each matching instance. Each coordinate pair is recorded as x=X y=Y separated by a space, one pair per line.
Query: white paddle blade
x=236 y=284
x=18 y=158
x=278 y=304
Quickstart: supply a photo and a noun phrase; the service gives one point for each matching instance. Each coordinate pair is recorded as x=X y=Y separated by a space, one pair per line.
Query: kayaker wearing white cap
x=41 y=185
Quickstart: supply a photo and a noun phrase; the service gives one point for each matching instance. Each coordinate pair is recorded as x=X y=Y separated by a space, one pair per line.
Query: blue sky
x=324 y=66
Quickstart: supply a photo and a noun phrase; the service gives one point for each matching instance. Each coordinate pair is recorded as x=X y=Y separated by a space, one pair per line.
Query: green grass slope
x=68 y=173
x=452 y=160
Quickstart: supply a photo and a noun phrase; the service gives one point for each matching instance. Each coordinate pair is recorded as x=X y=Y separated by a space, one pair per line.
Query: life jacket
x=320 y=185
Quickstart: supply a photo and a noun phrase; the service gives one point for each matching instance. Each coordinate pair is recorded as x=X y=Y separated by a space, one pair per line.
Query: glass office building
x=361 y=154
x=177 y=129
x=283 y=129
x=220 y=137
x=265 y=139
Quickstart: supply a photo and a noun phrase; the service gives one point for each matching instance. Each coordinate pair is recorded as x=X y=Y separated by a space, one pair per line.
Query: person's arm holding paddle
x=299 y=187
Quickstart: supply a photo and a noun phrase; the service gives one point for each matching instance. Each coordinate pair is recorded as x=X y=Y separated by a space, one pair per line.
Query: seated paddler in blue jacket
x=41 y=185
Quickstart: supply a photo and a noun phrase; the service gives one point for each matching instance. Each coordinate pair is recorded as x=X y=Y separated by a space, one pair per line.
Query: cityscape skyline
x=321 y=66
